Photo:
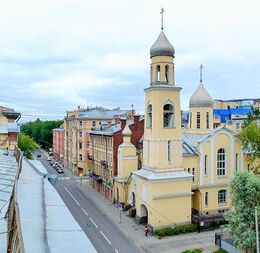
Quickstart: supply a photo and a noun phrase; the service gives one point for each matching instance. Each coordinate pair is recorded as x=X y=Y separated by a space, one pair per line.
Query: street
x=100 y=229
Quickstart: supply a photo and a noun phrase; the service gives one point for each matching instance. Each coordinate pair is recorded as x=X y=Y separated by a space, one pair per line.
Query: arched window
x=198 y=120
x=221 y=162
x=149 y=116
x=206 y=198
x=206 y=164
x=222 y=196
x=236 y=166
x=166 y=73
x=158 y=73
x=190 y=119
x=207 y=120
x=168 y=115
x=193 y=173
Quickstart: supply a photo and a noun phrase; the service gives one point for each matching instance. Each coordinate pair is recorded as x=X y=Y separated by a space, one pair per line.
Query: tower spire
x=162 y=11
x=201 y=67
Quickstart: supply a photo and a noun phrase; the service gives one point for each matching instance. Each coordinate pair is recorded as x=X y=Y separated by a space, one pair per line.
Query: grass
x=192 y=251
x=220 y=251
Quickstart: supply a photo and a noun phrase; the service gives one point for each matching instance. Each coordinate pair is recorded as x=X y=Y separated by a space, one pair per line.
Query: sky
x=56 y=55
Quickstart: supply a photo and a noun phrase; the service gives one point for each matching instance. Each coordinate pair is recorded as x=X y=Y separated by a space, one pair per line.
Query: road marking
x=105 y=237
x=71 y=195
x=116 y=251
x=94 y=223
x=84 y=211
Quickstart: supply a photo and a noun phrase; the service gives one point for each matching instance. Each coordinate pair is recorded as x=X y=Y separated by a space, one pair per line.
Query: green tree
x=41 y=131
x=27 y=145
x=245 y=196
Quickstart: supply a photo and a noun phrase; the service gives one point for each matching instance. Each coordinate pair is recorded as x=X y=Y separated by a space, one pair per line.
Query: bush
x=220 y=251
x=193 y=251
x=168 y=231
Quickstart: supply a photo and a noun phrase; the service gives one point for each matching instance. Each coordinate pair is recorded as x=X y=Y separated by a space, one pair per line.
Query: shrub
x=168 y=231
x=193 y=251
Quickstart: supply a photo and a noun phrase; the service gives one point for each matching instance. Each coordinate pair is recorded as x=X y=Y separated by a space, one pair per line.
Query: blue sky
x=56 y=55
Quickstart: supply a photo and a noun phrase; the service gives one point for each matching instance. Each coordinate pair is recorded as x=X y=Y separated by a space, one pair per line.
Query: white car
x=48 y=159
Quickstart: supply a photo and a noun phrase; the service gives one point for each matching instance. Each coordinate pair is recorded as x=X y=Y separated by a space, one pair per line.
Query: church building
x=184 y=171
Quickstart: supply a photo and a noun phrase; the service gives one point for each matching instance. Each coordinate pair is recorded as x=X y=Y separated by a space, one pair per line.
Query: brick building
x=58 y=143
x=104 y=143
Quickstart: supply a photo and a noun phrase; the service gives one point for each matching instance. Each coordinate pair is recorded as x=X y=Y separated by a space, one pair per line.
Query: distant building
x=58 y=143
x=9 y=129
x=77 y=125
x=104 y=143
x=246 y=103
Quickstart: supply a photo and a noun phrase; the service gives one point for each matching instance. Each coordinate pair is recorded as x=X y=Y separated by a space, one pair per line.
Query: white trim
x=172 y=195
x=212 y=156
x=214 y=185
x=201 y=164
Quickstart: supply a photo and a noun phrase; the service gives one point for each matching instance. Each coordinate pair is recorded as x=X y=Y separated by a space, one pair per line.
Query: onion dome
x=127 y=131
x=162 y=46
x=201 y=97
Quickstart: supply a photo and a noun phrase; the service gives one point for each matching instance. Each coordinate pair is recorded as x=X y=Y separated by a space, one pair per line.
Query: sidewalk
x=135 y=232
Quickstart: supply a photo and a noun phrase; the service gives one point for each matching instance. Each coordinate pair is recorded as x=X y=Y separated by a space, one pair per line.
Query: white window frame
x=221 y=162
x=222 y=196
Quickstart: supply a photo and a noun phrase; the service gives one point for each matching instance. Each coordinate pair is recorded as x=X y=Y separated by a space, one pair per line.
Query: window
x=149 y=116
x=80 y=134
x=80 y=123
x=193 y=173
x=188 y=170
x=221 y=162
x=80 y=157
x=216 y=117
x=168 y=115
x=80 y=145
x=169 y=150
x=198 y=120
x=237 y=126
x=166 y=73
x=206 y=198
x=158 y=73
x=190 y=119
x=206 y=164
x=94 y=124
x=222 y=196
x=207 y=120
x=236 y=165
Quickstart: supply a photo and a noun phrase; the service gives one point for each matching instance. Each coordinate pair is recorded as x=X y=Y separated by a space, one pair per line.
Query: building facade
x=77 y=125
x=58 y=143
x=104 y=143
x=9 y=129
x=185 y=172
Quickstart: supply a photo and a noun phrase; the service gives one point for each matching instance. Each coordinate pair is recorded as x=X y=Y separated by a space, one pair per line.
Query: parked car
x=39 y=155
x=48 y=159
x=60 y=170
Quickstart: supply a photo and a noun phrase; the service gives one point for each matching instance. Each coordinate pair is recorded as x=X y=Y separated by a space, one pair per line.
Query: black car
x=39 y=155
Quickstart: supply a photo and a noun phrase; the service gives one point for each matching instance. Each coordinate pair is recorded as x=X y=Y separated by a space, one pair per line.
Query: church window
x=206 y=164
x=236 y=162
x=166 y=73
x=149 y=116
x=168 y=115
x=198 y=120
x=207 y=120
x=221 y=162
x=158 y=73
x=206 y=198
x=169 y=150
x=193 y=173
x=190 y=119
x=222 y=196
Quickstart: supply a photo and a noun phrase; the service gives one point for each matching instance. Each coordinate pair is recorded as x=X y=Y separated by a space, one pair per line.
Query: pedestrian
x=146 y=230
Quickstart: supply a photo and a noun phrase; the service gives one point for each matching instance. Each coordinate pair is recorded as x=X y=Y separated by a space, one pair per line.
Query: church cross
x=201 y=67
x=162 y=11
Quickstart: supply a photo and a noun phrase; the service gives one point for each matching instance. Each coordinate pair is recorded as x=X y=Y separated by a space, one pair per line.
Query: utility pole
x=256 y=230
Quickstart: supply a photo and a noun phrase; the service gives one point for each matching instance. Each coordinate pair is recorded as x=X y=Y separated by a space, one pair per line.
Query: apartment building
x=9 y=129
x=104 y=143
x=77 y=125
x=58 y=143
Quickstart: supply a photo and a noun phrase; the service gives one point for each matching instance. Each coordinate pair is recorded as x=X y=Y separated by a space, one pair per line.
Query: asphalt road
x=99 y=228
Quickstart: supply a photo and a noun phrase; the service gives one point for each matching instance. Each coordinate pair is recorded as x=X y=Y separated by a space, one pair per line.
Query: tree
x=27 y=145
x=250 y=137
x=245 y=196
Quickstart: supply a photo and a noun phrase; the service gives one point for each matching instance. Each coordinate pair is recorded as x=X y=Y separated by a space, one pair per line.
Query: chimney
x=136 y=119
x=123 y=123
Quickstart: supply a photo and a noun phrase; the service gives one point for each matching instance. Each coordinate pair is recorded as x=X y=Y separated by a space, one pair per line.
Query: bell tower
x=162 y=134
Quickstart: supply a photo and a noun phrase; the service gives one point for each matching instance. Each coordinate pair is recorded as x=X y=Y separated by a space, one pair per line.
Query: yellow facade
x=184 y=171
